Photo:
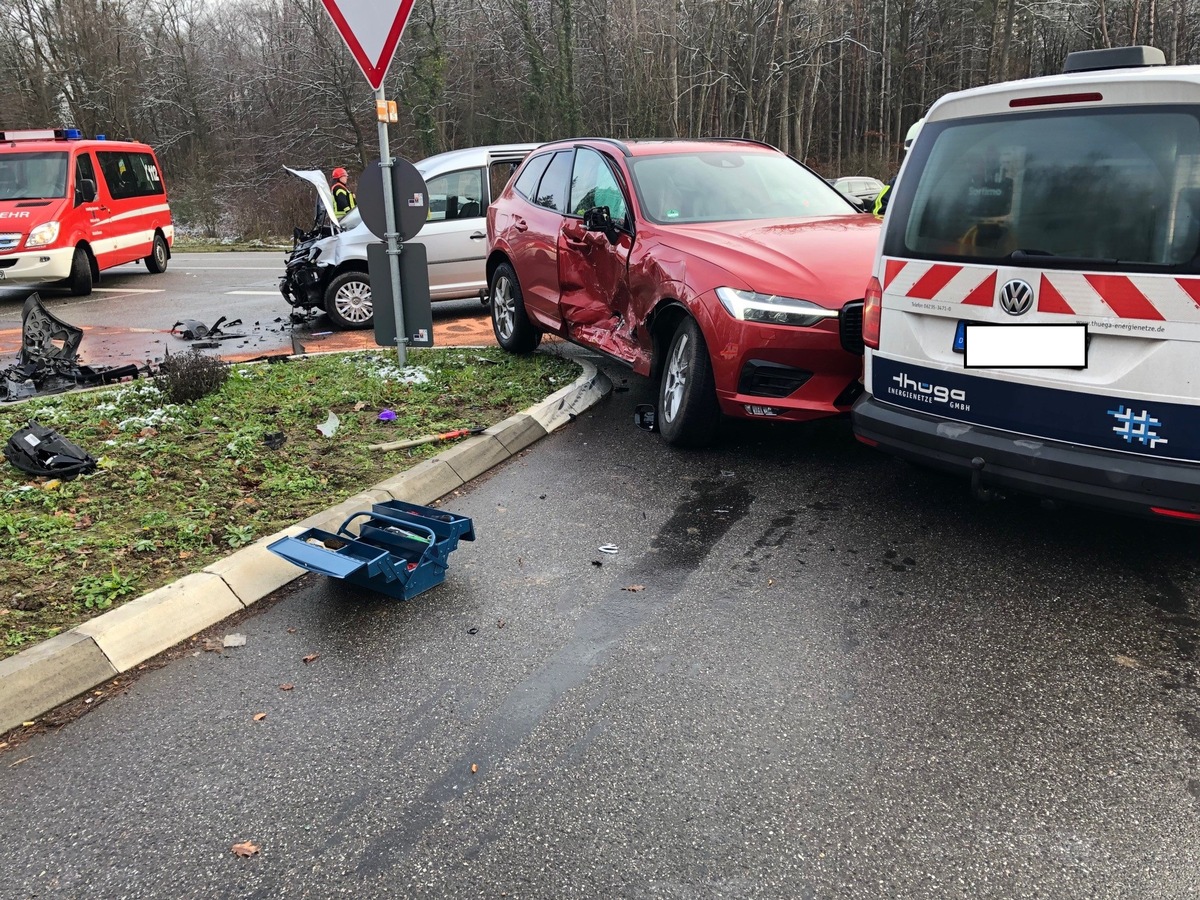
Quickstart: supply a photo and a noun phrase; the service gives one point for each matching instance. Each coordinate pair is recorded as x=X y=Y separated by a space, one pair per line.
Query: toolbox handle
x=399 y=523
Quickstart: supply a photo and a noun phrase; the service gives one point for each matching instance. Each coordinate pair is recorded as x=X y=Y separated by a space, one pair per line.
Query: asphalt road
x=130 y=313
x=840 y=678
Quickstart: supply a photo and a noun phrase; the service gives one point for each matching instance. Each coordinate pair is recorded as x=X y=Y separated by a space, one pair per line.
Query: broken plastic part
x=645 y=416
x=330 y=426
x=42 y=451
x=48 y=362
x=195 y=330
x=46 y=337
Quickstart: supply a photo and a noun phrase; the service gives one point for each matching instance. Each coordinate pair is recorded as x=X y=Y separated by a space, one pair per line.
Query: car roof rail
x=620 y=145
x=1113 y=58
x=737 y=140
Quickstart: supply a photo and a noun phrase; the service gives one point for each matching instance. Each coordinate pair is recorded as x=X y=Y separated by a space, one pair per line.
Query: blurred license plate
x=1024 y=346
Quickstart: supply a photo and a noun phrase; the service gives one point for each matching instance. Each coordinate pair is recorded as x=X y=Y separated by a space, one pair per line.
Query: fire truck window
x=129 y=174
x=84 y=171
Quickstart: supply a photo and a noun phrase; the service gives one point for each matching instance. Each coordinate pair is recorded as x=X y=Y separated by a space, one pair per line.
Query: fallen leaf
x=244 y=850
x=360 y=406
x=291 y=631
x=634 y=588
x=286 y=687
x=213 y=645
x=500 y=623
x=258 y=717
x=234 y=640
x=474 y=768
x=1127 y=661
x=186 y=554
x=311 y=657
x=52 y=485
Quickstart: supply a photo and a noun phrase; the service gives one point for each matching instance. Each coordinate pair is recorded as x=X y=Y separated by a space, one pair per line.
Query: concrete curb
x=55 y=671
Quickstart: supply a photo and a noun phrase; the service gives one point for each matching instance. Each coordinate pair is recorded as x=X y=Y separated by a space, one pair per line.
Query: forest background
x=230 y=91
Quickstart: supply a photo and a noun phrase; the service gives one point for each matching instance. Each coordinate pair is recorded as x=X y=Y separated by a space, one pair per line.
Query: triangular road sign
x=371 y=29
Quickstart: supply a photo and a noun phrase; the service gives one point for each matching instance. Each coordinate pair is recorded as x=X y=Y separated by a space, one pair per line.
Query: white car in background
x=327 y=268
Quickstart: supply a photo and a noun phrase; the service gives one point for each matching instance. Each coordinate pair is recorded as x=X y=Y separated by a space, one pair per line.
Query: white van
x=1034 y=316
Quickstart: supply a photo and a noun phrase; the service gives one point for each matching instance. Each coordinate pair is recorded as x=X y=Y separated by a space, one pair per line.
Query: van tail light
x=872 y=309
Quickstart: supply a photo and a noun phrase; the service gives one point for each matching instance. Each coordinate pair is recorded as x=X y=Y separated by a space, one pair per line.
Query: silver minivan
x=327 y=269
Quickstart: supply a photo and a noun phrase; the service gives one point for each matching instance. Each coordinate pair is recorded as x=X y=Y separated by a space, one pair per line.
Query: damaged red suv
x=724 y=267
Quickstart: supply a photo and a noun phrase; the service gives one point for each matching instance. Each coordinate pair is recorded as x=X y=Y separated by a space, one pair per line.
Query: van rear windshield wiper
x=1047 y=257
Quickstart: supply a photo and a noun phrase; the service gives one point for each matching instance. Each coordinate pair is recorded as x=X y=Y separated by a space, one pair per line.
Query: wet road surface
x=128 y=318
x=809 y=672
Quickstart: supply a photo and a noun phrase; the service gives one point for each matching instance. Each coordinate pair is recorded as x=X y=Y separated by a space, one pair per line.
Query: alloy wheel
x=504 y=308
x=676 y=379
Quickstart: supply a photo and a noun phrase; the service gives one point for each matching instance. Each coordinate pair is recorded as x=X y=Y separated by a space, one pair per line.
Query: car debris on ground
x=43 y=452
x=49 y=359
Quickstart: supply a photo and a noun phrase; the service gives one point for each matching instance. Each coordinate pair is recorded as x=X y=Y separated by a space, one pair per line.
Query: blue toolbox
x=401 y=549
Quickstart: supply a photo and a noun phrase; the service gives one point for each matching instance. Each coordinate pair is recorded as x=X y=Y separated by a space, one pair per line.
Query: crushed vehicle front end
x=303 y=282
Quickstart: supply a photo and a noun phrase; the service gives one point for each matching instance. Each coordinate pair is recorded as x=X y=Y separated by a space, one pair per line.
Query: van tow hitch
x=978 y=491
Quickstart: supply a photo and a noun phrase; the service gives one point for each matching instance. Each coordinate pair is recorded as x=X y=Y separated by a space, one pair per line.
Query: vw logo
x=1016 y=297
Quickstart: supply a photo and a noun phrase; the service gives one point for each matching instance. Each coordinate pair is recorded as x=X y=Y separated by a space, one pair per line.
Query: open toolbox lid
x=315 y=551
x=400 y=549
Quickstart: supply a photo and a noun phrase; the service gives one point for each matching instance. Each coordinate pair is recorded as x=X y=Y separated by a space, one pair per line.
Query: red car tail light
x=872 y=309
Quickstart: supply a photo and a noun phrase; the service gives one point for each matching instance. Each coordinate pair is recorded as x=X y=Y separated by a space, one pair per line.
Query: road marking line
x=253 y=294
x=129 y=290
x=230 y=268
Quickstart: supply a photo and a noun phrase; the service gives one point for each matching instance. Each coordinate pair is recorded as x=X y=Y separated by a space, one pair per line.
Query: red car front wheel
x=688 y=413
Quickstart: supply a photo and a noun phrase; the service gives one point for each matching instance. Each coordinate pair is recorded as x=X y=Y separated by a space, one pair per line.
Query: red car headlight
x=872 y=310
x=770 y=309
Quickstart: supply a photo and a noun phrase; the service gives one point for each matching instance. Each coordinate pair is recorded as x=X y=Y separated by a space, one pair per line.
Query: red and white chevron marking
x=1144 y=298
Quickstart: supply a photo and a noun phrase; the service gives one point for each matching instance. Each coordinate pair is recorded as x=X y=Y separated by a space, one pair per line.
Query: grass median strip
x=181 y=485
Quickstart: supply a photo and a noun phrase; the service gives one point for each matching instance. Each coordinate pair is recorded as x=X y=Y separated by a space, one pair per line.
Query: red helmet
x=339 y=174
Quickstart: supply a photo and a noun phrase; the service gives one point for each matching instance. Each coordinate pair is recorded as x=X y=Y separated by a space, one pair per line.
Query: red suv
x=724 y=267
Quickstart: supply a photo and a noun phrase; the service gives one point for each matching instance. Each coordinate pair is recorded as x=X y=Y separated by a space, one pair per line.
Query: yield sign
x=371 y=29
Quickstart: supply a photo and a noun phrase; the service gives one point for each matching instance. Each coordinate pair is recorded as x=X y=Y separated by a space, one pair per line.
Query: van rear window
x=129 y=174
x=1095 y=186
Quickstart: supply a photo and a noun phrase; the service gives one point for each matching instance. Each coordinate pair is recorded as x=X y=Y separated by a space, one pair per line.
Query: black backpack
x=42 y=451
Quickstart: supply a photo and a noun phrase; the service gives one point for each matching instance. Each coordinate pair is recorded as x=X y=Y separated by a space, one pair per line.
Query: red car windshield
x=729 y=186
x=33 y=176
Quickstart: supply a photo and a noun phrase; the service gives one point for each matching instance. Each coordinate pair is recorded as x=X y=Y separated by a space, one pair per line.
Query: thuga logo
x=934 y=392
x=14 y=215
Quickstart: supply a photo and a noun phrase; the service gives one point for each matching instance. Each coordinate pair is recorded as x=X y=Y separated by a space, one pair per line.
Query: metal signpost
x=372 y=30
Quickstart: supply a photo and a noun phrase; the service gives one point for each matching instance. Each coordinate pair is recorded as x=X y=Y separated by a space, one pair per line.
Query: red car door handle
x=519 y=224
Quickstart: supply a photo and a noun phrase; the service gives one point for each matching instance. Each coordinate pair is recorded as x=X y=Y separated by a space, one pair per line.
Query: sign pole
x=393 y=243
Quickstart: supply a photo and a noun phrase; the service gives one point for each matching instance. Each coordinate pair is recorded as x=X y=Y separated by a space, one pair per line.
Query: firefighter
x=343 y=197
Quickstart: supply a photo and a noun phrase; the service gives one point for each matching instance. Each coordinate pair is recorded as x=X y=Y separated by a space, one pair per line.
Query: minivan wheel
x=348 y=301
x=510 y=323
x=156 y=262
x=688 y=413
x=80 y=279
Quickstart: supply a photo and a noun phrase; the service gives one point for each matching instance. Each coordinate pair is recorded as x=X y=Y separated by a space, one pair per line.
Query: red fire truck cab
x=71 y=208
